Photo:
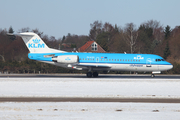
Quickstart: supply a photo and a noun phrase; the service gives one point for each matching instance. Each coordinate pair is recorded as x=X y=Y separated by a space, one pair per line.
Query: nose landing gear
x=155 y=72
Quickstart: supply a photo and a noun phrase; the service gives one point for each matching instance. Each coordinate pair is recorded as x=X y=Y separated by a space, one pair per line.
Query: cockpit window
x=157 y=60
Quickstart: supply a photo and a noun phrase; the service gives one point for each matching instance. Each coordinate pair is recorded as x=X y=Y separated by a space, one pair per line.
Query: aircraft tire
x=89 y=74
x=95 y=74
x=152 y=75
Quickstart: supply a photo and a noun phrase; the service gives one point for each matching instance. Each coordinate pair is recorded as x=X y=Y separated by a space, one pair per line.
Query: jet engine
x=66 y=59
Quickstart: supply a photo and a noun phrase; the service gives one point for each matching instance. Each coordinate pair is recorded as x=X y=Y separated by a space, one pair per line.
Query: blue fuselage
x=115 y=61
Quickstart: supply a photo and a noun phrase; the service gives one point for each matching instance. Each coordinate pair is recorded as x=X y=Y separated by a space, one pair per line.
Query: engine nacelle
x=66 y=59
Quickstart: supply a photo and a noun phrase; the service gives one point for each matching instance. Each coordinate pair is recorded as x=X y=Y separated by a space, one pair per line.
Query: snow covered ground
x=85 y=87
x=89 y=87
x=89 y=111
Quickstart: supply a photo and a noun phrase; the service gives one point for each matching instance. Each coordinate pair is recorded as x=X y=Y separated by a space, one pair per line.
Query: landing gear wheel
x=89 y=74
x=95 y=74
x=152 y=75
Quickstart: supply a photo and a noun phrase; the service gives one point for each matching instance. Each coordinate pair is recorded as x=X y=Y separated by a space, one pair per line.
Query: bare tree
x=96 y=28
x=38 y=32
x=157 y=29
x=130 y=35
x=107 y=27
x=27 y=29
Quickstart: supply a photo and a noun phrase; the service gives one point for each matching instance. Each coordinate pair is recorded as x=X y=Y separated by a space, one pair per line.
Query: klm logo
x=67 y=59
x=36 y=44
x=139 y=57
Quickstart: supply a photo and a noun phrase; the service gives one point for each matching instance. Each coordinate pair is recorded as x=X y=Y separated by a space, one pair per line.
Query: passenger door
x=97 y=59
x=148 y=62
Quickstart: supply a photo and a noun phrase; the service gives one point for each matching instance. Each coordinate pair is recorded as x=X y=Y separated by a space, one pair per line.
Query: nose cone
x=167 y=66
x=170 y=66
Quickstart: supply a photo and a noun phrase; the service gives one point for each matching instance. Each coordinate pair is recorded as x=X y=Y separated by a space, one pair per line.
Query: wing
x=93 y=65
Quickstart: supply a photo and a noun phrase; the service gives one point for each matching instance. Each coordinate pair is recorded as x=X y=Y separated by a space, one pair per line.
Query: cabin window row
x=110 y=59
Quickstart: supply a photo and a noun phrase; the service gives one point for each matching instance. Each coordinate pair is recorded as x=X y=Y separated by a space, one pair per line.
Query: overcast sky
x=60 y=17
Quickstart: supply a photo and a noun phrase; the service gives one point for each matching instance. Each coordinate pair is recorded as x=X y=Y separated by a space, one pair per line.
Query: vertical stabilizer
x=35 y=44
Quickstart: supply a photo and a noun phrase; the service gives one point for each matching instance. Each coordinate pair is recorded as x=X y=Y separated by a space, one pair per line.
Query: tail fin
x=35 y=44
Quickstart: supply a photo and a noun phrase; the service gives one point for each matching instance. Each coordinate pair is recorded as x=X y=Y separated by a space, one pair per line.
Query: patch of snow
x=93 y=87
x=89 y=111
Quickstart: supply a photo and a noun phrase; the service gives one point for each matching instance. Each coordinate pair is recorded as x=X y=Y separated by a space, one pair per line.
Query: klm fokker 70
x=93 y=62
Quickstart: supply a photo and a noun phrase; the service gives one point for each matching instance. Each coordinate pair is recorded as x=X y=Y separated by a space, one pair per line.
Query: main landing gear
x=90 y=74
x=152 y=75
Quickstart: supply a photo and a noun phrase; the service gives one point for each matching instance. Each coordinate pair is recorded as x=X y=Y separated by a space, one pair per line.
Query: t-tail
x=35 y=44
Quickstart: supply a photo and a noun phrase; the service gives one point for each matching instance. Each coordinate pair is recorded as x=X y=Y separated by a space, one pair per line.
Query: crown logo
x=36 y=40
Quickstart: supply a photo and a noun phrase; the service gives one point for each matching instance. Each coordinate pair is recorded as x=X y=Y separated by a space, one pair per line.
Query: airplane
x=93 y=62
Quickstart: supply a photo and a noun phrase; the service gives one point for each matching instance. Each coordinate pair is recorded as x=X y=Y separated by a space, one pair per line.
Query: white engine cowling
x=65 y=59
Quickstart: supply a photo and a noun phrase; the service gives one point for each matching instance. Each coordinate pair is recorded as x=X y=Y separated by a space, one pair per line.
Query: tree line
x=149 y=38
